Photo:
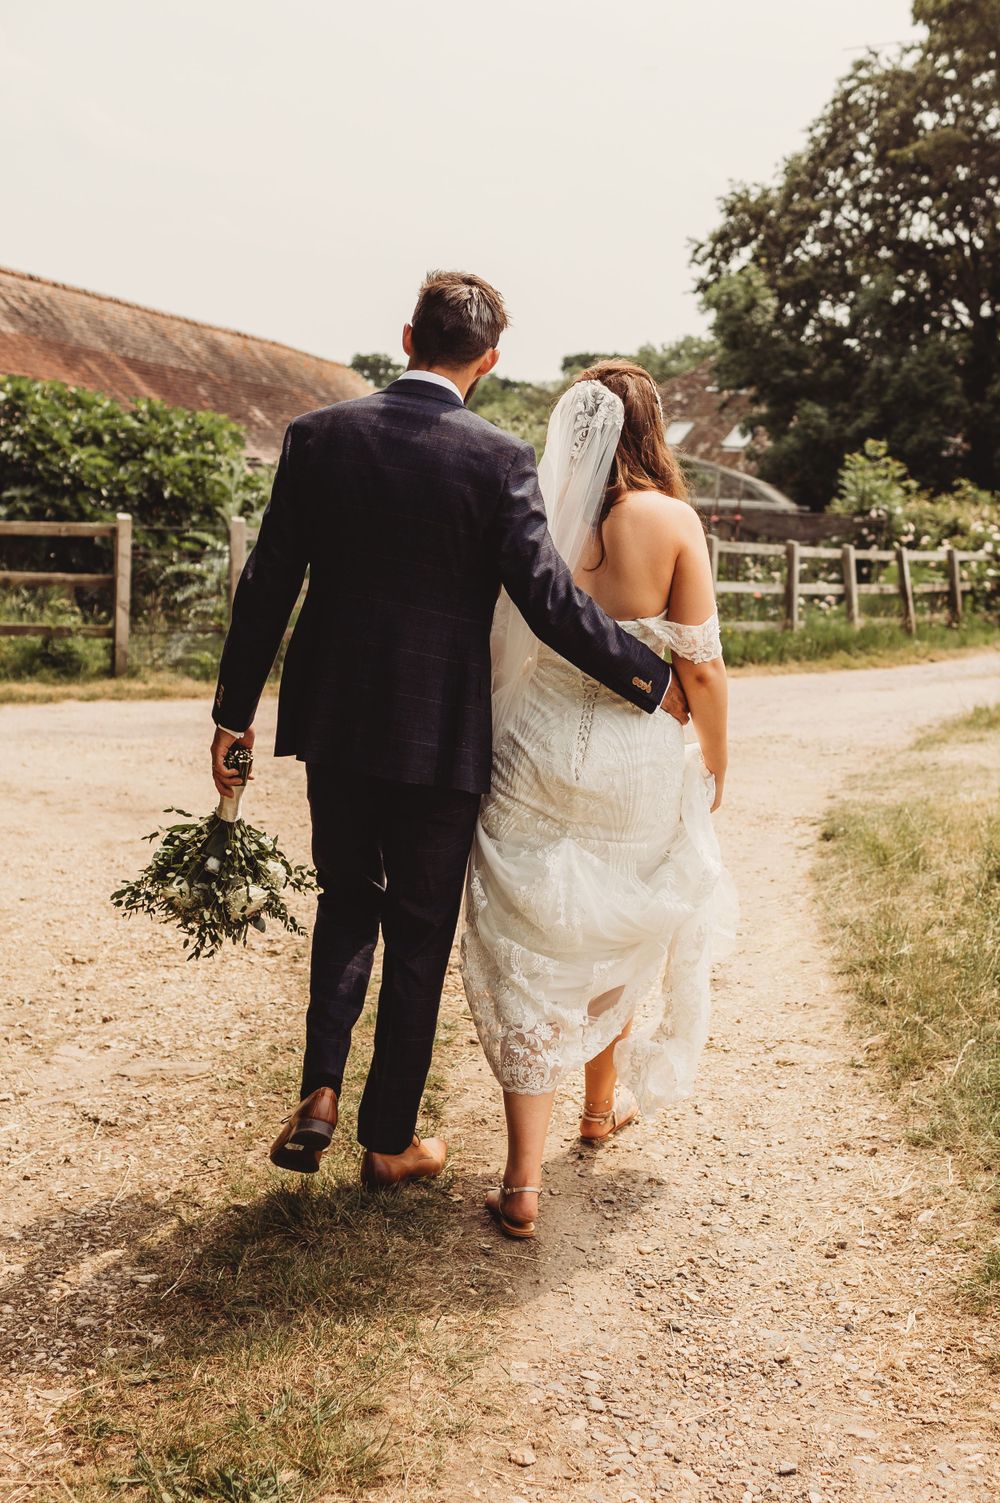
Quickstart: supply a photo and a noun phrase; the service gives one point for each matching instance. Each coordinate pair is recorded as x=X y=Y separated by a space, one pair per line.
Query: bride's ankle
x=515 y=1182
x=596 y=1101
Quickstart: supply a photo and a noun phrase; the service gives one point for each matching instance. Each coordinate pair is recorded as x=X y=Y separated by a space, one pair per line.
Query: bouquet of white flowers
x=216 y=877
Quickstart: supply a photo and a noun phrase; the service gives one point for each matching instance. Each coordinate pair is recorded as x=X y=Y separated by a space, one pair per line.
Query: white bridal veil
x=582 y=437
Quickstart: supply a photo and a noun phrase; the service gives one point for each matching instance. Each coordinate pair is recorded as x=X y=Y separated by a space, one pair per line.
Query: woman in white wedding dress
x=596 y=893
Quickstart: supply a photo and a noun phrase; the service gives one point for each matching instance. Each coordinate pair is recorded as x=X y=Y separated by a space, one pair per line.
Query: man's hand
x=675 y=701
x=225 y=778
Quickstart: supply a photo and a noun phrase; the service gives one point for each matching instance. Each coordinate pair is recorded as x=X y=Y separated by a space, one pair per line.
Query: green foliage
x=860 y=293
x=214 y=879
x=47 y=659
x=379 y=369
x=519 y=407
x=68 y=454
x=662 y=361
x=73 y=455
x=889 y=507
x=830 y=642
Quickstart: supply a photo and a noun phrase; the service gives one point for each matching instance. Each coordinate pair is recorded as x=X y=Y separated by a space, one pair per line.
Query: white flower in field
x=275 y=875
x=988 y=546
x=244 y=902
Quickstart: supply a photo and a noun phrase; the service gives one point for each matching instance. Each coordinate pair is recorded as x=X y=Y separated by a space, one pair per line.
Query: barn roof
x=54 y=332
x=715 y=418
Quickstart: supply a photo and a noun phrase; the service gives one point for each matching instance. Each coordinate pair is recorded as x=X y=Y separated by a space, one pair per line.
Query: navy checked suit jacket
x=410 y=512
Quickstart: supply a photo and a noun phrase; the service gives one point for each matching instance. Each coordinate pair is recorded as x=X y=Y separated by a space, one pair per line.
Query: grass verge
x=38 y=691
x=311 y=1340
x=831 y=644
x=820 y=645
x=912 y=886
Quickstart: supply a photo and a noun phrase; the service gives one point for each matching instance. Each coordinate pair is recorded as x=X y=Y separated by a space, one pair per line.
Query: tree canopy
x=857 y=297
x=378 y=368
x=662 y=361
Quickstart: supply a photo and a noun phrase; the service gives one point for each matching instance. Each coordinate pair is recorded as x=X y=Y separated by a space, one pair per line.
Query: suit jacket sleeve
x=265 y=597
x=559 y=613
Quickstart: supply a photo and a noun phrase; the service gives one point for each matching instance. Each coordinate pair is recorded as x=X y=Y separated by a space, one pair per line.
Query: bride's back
x=629 y=569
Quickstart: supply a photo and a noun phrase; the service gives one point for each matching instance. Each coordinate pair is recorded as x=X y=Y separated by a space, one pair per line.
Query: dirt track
x=761 y=1280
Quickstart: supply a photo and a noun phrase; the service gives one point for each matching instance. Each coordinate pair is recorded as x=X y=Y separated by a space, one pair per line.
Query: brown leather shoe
x=306 y=1133
x=424 y=1158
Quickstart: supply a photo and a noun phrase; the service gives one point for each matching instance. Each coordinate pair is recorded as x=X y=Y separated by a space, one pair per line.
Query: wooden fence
x=120 y=578
x=793 y=588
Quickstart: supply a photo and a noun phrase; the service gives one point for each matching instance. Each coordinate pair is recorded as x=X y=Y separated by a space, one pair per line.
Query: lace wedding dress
x=596 y=891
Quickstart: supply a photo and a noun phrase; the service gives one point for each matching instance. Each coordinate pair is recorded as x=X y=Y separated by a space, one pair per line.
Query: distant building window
x=678 y=432
x=737 y=438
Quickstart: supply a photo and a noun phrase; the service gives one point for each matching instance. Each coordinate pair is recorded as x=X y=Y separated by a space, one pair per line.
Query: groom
x=410 y=513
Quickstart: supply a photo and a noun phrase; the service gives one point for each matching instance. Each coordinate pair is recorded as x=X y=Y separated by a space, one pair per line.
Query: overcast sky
x=291 y=169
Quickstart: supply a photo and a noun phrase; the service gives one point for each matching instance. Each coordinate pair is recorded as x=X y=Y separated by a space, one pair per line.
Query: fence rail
x=792 y=589
x=120 y=578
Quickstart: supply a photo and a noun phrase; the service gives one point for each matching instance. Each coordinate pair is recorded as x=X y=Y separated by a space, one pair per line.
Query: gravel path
x=751 y=1298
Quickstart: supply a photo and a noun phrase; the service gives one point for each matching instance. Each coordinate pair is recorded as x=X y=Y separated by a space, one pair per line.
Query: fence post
x=792 y=622
x=954 y=586
x=849 y=565
x=123 y=593
x=905 y=589
x=237 y=553
x=713 y=556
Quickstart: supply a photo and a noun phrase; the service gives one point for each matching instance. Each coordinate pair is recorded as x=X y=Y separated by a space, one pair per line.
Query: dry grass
x=299 y=1322
x=823 y=646
x=912 y=883
x=144 y=686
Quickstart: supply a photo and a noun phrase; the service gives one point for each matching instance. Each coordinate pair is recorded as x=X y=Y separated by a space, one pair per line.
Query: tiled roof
x=54 y=332
x=694 y=397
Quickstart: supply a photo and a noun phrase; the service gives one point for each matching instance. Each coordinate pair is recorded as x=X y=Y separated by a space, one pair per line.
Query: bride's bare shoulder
x=657 y=515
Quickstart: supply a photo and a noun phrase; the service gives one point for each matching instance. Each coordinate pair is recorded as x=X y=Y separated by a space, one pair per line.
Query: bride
x=595 y=886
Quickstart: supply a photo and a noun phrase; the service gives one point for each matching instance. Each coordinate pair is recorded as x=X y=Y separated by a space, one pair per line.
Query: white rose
x=179 y=893
x=275 y=873
x=213 y=864
x=244 y=903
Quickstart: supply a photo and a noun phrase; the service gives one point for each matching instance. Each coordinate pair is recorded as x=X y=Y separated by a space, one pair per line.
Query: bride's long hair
x=643 y=461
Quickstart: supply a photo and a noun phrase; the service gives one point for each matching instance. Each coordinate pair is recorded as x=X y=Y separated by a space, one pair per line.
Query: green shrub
x=69 y=454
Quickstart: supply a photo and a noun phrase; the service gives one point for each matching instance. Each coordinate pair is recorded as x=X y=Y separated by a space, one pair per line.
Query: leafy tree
x=520 y=407
x=858 y=296
x=662 y=361
x=378 y=369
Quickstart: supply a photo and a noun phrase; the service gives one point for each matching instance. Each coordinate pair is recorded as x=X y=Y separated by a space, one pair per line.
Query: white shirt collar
x=434 y=379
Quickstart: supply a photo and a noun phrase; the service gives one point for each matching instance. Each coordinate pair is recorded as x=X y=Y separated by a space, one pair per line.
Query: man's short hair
x=458 y=318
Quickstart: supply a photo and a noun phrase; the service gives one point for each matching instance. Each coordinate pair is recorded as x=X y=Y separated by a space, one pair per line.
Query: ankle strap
x=520 y=1189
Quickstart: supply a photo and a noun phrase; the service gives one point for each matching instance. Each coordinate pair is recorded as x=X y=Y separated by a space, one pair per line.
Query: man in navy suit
x=410 y=513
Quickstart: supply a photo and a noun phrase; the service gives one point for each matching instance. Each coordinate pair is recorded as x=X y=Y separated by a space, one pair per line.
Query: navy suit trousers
x=390 y=857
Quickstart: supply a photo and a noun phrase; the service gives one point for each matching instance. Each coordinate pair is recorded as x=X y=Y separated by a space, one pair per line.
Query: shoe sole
x=311 y=1132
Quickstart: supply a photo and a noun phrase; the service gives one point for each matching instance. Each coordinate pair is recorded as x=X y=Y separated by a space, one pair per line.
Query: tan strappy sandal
x=511 y=1226
x=624 y=1109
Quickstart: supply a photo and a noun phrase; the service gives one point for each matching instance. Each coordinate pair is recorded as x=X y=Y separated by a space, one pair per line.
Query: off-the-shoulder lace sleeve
x=696 y=644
